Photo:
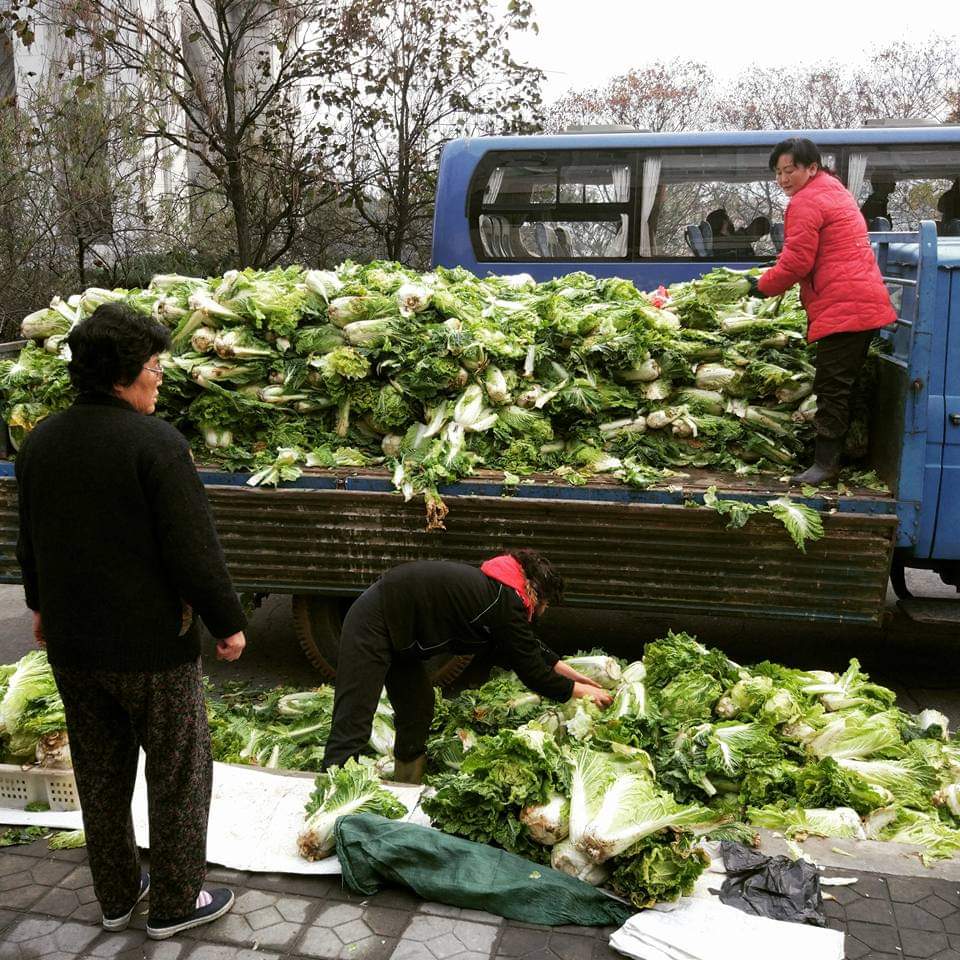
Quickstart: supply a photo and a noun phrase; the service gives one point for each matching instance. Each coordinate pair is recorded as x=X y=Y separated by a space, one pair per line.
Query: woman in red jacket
x=826 y=250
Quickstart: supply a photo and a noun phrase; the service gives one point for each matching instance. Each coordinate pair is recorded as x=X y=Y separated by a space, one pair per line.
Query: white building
x=163 y=169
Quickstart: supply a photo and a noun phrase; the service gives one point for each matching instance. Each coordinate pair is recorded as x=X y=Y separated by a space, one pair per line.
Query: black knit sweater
x=115 y=535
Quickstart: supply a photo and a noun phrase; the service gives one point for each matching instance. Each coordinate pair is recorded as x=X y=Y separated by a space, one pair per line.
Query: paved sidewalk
x=48 y=909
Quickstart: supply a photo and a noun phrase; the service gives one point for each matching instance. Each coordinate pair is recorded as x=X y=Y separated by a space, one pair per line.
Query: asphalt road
x=919 y=661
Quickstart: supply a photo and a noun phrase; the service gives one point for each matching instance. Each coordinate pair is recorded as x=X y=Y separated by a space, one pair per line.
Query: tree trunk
x=237 y=195
x=82 y=261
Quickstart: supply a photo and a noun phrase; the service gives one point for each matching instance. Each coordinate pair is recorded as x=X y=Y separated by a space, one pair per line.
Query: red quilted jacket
x=826 y=251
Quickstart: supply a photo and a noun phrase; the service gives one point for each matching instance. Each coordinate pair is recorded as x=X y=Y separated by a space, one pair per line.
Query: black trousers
x=109 y=717
x=367 y=662
x=839 y=359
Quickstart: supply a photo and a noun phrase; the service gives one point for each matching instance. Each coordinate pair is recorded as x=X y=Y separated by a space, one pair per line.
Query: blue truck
x=325 y=537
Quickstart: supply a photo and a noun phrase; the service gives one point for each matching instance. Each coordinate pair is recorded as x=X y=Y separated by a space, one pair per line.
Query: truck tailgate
x=334 y=532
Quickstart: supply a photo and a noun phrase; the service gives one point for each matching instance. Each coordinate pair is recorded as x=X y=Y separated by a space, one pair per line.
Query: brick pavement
x=48 y=910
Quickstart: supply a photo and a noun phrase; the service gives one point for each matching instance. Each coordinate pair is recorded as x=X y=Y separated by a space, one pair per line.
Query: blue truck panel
x=946 y=544
x=452 y=246
x=924 y=276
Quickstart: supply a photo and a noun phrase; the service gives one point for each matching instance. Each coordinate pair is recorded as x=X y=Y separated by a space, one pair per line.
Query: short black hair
x=540 y=574
x=718 y=219
x=111 y=346
x=804 y=152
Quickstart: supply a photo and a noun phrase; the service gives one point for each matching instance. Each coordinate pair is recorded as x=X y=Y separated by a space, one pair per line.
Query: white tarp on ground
x=702 y=929
x=255 y=816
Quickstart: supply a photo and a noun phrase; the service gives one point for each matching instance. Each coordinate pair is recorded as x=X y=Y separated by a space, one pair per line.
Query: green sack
x=375 y=851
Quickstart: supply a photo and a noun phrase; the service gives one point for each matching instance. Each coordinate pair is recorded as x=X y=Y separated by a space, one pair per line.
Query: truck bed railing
x=908 y=264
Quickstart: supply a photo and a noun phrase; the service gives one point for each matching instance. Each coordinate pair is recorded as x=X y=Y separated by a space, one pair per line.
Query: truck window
x=565 y=205
x=710 y=204
x=685 y=202
x=903 y=184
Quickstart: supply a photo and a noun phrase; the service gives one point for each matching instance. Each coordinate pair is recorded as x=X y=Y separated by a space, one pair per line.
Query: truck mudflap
x=616 y=549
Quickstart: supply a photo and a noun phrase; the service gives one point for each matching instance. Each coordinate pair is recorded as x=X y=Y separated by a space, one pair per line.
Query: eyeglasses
x=156 y=371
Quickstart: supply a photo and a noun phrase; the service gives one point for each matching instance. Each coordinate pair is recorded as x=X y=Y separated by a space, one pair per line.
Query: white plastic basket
x=22 y=785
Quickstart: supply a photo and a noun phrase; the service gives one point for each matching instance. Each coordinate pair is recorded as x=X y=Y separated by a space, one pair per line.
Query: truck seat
x=694 y=239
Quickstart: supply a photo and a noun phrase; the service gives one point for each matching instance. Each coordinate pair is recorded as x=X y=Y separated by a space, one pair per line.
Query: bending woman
x=419 y=609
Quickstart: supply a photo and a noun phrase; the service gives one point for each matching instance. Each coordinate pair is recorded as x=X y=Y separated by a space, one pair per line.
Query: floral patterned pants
x=110 y=716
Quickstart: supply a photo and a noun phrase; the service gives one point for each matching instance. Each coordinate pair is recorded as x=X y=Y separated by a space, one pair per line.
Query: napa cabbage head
x=592 y=773
x=352 y=788
x=690 y=696
x=31 y=680
x=344 y=362
x=935 y=839
x=521 y=765
x=825 y=783
x=603 y=670
x=679 y=653
x=548 y=822
x=851 y=689
x=661 y=869
x=632 y=808
x=565 y=857
x=854 y=734
x=841 y=822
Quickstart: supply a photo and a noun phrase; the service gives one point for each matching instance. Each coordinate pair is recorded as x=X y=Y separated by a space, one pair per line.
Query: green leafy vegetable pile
x=433 y=375
x=285 y=728
x=32 y=722
x=693 y=745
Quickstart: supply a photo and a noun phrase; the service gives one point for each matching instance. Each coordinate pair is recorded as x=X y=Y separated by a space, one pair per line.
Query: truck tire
x=317 y=622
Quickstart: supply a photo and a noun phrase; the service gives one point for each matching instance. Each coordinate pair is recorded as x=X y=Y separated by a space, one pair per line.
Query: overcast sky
x=583 y=43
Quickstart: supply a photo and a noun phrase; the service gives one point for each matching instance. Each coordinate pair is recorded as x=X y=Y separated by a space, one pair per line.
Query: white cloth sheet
x=702 y=929
x=255 y=816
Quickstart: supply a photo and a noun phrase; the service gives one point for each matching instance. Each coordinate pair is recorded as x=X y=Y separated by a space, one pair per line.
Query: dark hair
x=540 y=574
x=804 y=152
x=111 y=346
x=718 y=219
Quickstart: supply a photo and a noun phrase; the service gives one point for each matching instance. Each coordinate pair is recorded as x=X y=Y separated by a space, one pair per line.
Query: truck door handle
x=955 y=419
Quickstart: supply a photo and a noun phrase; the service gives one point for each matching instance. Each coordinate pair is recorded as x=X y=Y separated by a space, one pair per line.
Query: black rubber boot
x=826 y=463
x=410 y=771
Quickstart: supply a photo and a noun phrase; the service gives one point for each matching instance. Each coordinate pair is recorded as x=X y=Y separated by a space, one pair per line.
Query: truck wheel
x=317 y=622
x=898 y=578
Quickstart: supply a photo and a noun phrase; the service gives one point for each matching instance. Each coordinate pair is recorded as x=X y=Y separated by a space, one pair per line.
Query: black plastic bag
x=773 y=887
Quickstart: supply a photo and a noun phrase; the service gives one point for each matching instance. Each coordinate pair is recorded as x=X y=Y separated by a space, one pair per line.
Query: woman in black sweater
x=422 y=608
x=117 y=547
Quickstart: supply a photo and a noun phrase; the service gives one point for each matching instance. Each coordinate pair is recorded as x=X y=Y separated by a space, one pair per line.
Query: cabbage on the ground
x=696 y=745
x=285 y=728
x=621 y=796
x=352 y=788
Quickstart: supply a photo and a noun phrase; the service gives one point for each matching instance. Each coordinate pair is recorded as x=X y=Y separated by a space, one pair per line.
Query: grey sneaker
x=121 y=922
x=221 y=902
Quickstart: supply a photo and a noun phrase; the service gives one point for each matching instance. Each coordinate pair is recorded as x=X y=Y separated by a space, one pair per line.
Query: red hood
x=507 y=570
